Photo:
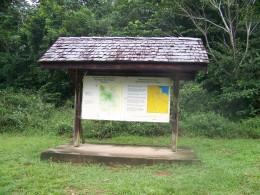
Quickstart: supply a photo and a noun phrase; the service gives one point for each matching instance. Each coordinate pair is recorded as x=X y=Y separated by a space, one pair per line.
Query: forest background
x=222 y=102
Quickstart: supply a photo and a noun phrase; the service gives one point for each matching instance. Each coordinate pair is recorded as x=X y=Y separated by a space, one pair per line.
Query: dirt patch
x=86 y=191
x=162 y=173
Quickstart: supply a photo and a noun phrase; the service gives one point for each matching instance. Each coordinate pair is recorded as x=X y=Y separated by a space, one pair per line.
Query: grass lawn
x=228 y=167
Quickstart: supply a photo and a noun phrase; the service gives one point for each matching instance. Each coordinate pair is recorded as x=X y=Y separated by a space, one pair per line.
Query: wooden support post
x=175 y=115
x=81 y=133
x=78 y=101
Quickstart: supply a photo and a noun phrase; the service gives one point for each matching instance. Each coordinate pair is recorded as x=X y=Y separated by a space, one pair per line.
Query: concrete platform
x=111 y=154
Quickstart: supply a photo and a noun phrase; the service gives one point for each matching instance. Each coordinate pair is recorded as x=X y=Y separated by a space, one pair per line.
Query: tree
x=228 y=28
x=13 y=16
x=231 y=18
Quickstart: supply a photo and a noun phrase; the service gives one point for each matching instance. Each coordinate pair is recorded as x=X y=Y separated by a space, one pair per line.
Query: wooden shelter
x=179 y=58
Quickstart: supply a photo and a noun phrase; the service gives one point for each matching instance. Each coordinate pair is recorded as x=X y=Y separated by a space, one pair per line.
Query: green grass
x=228 y=167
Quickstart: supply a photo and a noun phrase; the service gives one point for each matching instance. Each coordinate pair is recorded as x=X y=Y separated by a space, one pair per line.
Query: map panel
x=145 y=99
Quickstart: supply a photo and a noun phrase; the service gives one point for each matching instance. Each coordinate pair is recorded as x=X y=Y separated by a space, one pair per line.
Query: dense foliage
x=25 y=112
x=229 y=30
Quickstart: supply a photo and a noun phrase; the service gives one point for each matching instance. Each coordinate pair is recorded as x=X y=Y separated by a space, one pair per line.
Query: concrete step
x=114 y=154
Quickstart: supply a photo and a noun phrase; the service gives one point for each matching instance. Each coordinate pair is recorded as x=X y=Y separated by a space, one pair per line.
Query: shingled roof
x=127 y=49
x=175 y=57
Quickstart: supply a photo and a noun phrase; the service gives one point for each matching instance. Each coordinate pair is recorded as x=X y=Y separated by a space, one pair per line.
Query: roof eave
x=123 y=65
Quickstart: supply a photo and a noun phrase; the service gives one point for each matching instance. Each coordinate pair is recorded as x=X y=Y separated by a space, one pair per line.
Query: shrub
x=149 y=129
x=21 y=109
x=106 y=129
x=24 y=111
x=194 y=99
x=61 y=122
x=251 y=127
x=209 y=124
x=103 y=129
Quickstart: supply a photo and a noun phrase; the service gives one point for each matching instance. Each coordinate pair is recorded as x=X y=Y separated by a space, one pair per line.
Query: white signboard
x=126 y=98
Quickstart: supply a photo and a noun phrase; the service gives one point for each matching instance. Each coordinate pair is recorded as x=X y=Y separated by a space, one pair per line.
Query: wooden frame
x=77 y=76
x=179 y=58
x=175 y=115
x=78 y=131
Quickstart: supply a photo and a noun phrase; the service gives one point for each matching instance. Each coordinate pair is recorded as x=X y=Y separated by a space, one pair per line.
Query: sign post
x=78 y=132
x=175 y=115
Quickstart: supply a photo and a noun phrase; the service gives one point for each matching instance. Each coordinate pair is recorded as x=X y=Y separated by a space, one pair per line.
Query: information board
x=120 y=98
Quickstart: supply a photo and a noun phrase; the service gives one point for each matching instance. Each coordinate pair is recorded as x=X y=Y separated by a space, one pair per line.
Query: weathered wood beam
x=187 y=76
x=175 y=115
x=72 y=75
x=126 y=66
x=78 y=101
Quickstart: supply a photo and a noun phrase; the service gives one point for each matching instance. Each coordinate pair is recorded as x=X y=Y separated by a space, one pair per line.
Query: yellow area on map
x=157 y=101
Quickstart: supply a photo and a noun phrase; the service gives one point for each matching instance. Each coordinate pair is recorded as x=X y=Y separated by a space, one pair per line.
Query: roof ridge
x=130 y=37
